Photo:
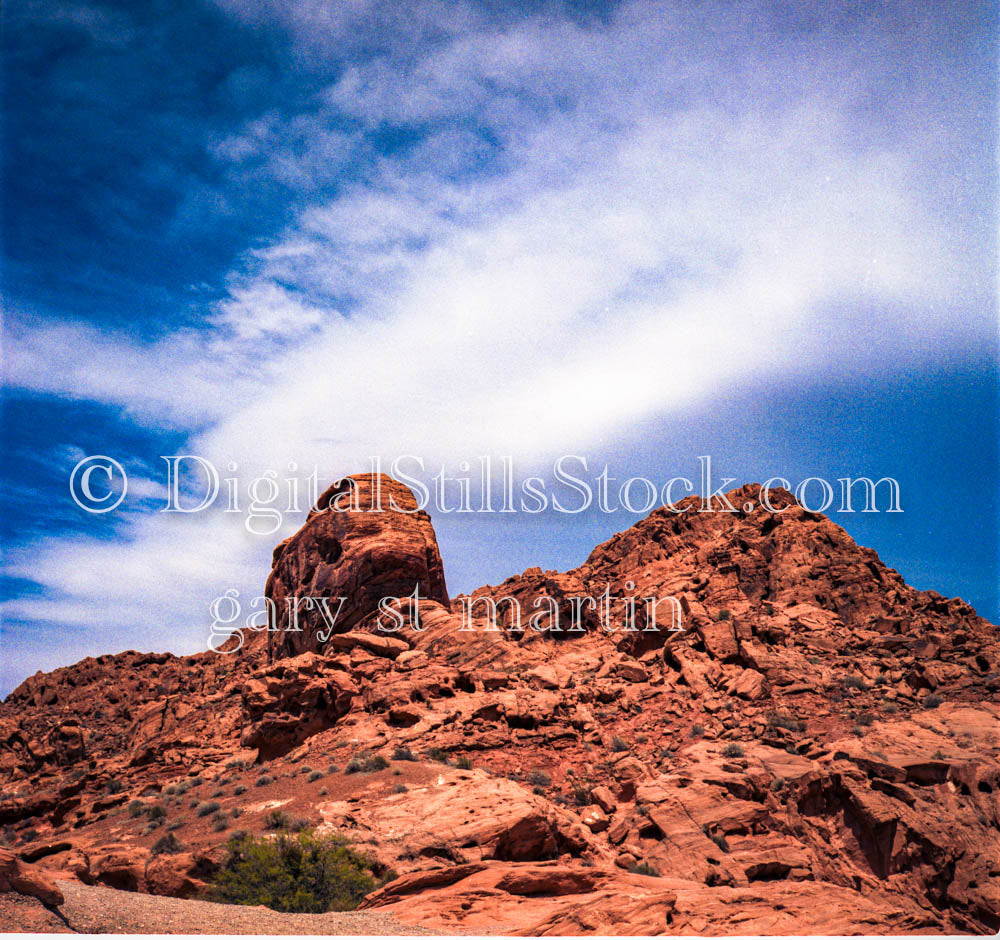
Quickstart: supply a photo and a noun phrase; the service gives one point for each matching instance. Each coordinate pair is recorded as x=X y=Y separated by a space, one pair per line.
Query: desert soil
x=90 y=909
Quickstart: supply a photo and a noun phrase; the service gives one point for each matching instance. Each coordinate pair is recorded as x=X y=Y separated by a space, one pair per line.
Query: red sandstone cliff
x=818 y=751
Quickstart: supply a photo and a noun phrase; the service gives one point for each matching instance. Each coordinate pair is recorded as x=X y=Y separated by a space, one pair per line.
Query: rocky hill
x=816 y=750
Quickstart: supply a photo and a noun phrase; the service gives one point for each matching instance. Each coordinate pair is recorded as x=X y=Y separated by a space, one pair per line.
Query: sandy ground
x=89 y=909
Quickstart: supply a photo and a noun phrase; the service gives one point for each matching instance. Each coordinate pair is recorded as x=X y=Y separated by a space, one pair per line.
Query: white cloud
x=638 y=245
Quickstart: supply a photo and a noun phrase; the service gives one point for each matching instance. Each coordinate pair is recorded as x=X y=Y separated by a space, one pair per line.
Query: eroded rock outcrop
x=816 y=751
x=363 y=541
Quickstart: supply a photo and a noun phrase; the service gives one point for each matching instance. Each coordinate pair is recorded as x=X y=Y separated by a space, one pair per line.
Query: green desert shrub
x=314 y=775
x=932 y=701
x=720 y=840
x=403 y=753
x=619 y=745
x=365 y=763
x=206 y=808
x=302 y=873
x=438 y=754
x=276 y=819
x=263 y=780
x=539 y=778
x=463 y=763
x=774 y=720
x=136 y=808
x=733 y=750
x=166 y=845
x=644 y=868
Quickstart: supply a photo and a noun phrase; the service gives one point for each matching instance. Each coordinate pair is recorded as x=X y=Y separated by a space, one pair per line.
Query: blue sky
x=266 y=231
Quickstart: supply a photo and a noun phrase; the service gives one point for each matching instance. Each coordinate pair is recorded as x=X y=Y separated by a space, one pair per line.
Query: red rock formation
x=364 y=540
x=817 y=751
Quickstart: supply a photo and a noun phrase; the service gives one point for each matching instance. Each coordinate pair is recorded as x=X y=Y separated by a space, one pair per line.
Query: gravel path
x=91 y=909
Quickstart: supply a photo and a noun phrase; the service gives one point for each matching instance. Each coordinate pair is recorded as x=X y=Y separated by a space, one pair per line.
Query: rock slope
x=816 y=751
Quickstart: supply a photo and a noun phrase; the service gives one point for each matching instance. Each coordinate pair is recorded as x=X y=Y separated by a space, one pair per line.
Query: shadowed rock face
x=364 y=540
x=816 y=752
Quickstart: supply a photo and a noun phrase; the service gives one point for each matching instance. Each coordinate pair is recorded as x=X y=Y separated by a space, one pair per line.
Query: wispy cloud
x=563 y=227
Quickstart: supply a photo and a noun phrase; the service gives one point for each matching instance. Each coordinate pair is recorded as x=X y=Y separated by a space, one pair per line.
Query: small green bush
x=436 y=753
x=723 y=614
x=539 y=778
x=156 y=811
x=733 y=750
x=239 y=789
x=302 y=873
x=263 y=780
x=400 y=788
x=136 y=808
x=697 y=731
x=114 y=786
x=365 y=763
x=463 y=763
x=403 y=753
x=644 y=868
x=276 y=819
x=932 y=701
x=206 y=808
x=618 y=745
x=166 y=845
x=314 y=775
x=720 y=840
x=774 y=720
x=853 y=682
